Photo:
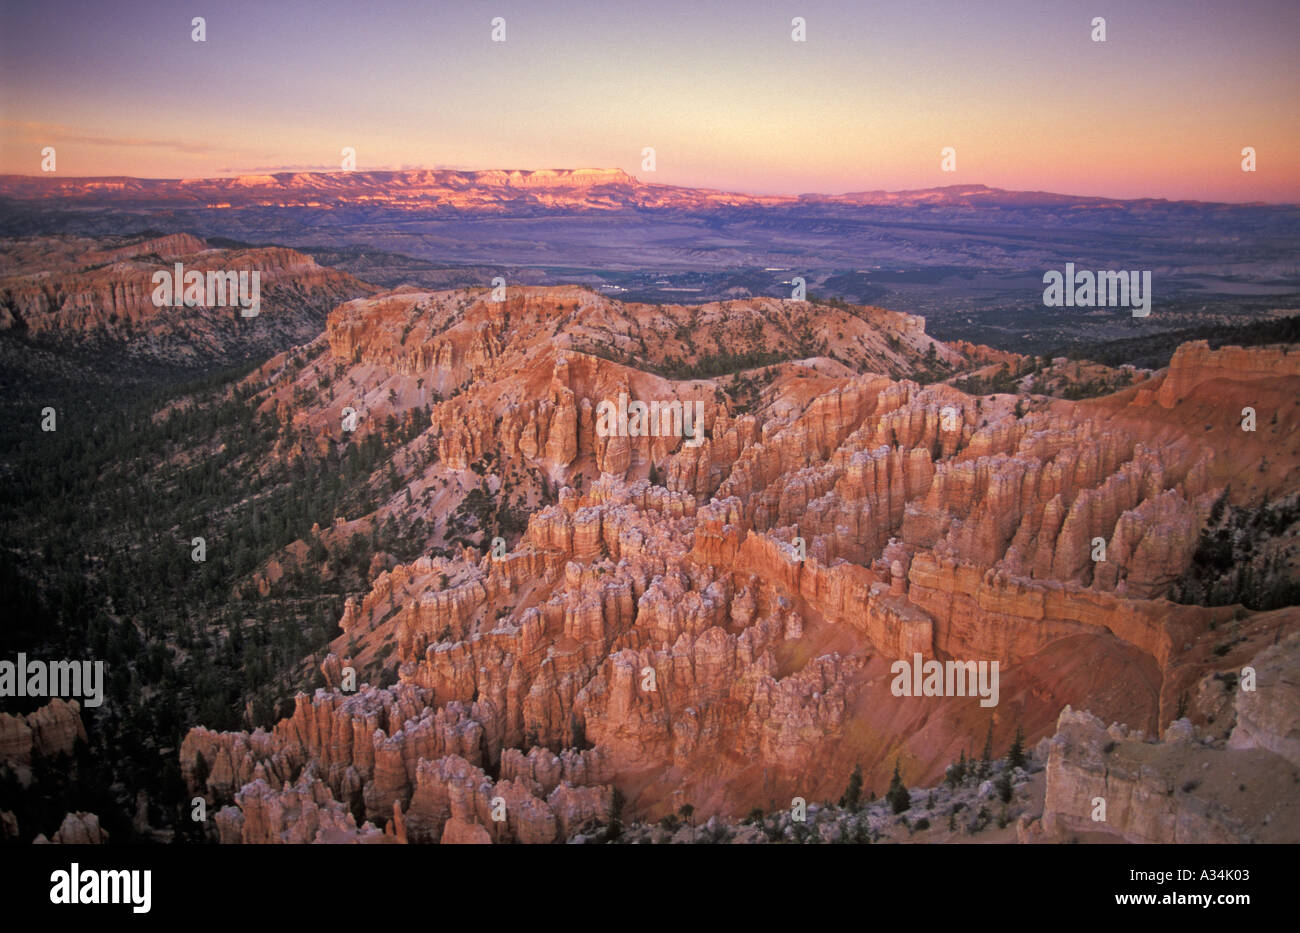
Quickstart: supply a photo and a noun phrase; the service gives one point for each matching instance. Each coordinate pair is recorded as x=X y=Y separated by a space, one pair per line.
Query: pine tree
x=853 y=793
x=897 y=795
x=956 y=772
x=1016 y=753
x=986 y=759
x=200 y=775
x=1003 y=786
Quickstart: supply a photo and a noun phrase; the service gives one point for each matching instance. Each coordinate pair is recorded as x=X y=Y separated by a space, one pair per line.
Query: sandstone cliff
x=49 y=731
x=100 y=292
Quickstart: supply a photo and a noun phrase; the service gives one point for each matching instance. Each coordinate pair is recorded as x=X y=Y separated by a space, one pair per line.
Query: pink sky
x=1020 y=90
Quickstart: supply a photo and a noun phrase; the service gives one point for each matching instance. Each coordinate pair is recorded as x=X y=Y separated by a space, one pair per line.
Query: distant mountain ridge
x=597 y=189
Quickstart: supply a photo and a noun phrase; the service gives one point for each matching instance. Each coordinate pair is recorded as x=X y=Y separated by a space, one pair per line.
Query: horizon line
x=753 y=194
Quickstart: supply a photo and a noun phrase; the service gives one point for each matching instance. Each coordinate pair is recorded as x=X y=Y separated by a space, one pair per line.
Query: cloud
x=334 y=167
x=273 y=169
x=54 y=133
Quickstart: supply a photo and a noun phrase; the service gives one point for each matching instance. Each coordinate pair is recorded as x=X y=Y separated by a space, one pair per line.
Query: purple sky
x=1163 y=108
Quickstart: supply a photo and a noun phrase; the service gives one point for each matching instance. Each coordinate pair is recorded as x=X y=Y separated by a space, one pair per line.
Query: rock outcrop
x=1178 y=790
x=51 y=730
x=1195 y=364
x=100 y=292
x=77 y=829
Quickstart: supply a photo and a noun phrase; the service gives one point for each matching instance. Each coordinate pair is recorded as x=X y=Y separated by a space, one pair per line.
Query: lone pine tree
x=897 y=795
x=853 y=793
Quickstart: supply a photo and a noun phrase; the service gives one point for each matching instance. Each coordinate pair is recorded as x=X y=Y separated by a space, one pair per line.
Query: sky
x=1020 y=91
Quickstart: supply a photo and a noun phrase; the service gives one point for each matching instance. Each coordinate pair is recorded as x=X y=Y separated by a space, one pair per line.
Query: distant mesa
x=601 y=189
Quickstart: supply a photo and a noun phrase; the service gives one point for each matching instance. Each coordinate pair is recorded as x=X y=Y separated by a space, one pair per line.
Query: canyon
x=559 y=631
x=712 y=627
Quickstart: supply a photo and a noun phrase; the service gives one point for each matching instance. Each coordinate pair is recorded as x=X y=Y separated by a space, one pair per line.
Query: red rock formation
x=77 y=829
x=1195 y=364
x=1175 y=791
x=723 y=636
x=51 y=730
x=95 y=290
